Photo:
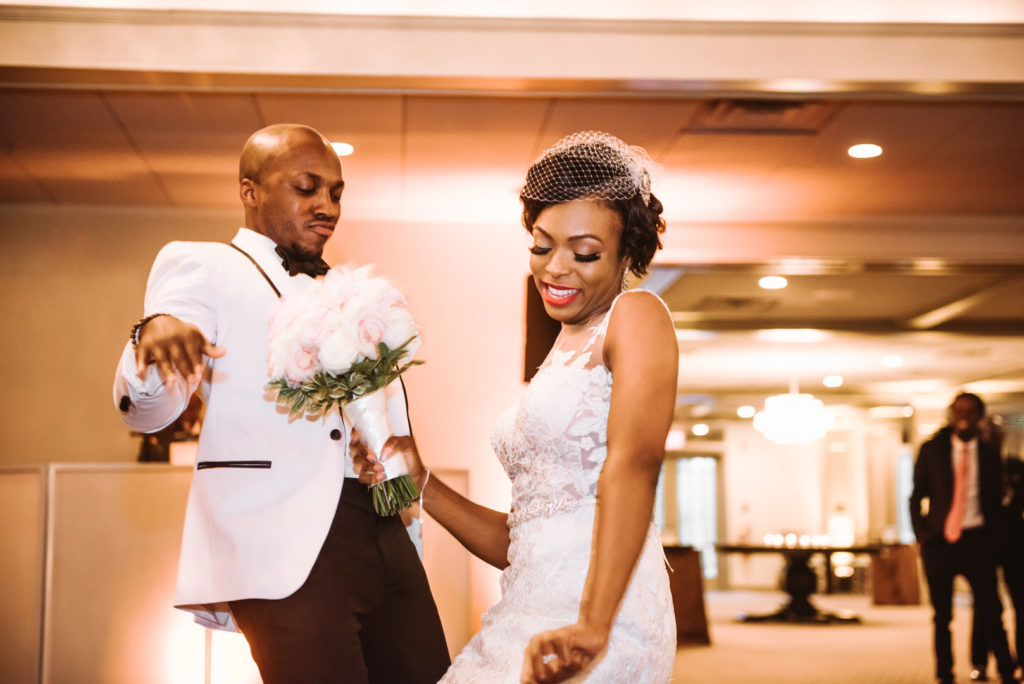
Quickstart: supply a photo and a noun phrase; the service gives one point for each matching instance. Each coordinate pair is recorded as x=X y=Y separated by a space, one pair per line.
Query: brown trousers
x=365 y=614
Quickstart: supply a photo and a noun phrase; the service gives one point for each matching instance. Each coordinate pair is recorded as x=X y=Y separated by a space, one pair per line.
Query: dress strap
x=601 y=329
x=637 y=291
x=582 y=355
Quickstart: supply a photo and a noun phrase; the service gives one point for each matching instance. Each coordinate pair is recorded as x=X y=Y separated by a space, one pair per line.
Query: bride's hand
x=559 y=654
x=404 y=447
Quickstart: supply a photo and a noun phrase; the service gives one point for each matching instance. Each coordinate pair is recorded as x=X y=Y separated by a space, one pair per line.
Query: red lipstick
x=558 y=296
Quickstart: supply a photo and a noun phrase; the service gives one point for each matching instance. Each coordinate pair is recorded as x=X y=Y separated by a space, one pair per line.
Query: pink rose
x=371 y=332
x=299 y=366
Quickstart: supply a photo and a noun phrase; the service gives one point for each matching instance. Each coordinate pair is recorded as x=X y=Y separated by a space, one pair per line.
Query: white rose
x=338 y=352
x=277 y=359
x=399 y=327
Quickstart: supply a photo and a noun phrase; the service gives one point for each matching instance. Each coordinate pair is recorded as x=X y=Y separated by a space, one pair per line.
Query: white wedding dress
x=553 y=445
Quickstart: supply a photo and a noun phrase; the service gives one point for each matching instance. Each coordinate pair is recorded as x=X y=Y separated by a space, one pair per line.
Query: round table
x=800 y=581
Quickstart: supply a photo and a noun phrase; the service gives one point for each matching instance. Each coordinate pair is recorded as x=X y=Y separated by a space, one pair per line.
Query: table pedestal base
x=800 y=582
x=806 y=613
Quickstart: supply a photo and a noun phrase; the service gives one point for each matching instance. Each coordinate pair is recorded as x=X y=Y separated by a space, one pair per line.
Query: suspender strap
x=258 y=268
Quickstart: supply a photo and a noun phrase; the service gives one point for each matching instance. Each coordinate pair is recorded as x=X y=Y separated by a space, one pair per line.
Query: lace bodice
x=553 y=445
x=554 y=442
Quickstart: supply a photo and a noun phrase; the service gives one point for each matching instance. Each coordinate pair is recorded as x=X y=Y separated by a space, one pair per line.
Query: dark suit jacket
x=933 y=480
x=1013 y=513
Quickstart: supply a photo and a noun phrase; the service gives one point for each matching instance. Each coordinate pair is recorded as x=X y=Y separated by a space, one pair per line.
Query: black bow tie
x=295 y=263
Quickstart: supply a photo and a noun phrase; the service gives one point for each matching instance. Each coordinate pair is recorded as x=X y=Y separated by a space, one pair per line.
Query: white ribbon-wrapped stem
x=369 y=415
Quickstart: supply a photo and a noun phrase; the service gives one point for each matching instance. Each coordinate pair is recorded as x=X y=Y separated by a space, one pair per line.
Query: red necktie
x=955 y=519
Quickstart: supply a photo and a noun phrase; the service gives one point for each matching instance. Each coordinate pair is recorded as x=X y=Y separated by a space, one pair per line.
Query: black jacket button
x=335 y=434
x=124 y=404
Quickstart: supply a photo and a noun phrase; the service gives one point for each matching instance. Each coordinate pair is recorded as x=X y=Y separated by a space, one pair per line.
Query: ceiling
x=723 y=160
x=895 y=335
x=435 y=156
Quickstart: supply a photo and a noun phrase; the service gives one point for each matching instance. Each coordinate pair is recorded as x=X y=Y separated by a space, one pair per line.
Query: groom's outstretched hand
x=174 y=347
x=557 y=655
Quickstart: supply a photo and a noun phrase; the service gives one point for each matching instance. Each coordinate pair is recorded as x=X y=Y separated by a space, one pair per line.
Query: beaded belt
x=545 y=509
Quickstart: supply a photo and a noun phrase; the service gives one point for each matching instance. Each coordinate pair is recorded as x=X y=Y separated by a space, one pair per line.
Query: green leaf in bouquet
x=324 y=391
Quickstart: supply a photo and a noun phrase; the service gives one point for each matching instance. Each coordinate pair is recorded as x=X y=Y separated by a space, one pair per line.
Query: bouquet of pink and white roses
x=340 y=342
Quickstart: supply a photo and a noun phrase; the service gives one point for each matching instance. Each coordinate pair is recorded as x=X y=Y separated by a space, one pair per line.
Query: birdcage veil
x=589 y=165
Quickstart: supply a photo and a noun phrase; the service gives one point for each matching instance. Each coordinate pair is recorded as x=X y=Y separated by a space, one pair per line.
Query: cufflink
x=335 y=433
x=124 y=404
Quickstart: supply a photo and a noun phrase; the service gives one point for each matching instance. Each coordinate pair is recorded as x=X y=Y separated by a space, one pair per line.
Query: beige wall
x=95 y=553
x=73 y=286
x=22 y=558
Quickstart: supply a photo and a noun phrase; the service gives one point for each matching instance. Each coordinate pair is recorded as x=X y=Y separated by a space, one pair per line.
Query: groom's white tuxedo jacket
x=265 y=488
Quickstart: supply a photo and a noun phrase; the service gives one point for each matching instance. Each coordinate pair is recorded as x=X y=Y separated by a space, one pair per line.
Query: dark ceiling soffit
x=935 y=320
x=923 y=267
x=882 y=326
x=118 y=79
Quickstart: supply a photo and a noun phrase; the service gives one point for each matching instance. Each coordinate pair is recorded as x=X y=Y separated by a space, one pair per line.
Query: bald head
x=290 y=184
x=267 y=146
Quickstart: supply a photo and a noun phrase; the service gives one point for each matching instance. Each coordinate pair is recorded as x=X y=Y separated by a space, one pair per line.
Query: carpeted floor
x=892 y=644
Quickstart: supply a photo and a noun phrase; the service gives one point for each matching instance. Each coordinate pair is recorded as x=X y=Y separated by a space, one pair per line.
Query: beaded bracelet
x=134 y=337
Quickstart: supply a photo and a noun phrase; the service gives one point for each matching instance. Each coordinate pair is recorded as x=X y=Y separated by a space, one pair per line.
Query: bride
x=585 y=594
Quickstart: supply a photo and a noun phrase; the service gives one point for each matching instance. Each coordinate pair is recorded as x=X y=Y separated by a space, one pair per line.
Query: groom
x=280 y=539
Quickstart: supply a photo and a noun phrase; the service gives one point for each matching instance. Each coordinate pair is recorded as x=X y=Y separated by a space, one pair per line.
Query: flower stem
x=394 y=495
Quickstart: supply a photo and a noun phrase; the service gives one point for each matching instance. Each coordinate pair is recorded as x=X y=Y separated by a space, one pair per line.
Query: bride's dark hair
x=597 y=166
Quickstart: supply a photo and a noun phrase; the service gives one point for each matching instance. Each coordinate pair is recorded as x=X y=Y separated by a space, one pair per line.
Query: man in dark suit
x=1011 y=558
x=954 y=508
x=1013 y=548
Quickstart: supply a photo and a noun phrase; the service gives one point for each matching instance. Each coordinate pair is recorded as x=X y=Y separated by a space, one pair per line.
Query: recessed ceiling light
x=700 y=429
x=699 y=410
x=691 y=335
x=832 y=381
x=929 y=264
x=887 y=412
x=786 y=335
x=772 y=282
x=342 y=149
x=892 y=361
x=746 y=411
x=864 y=151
